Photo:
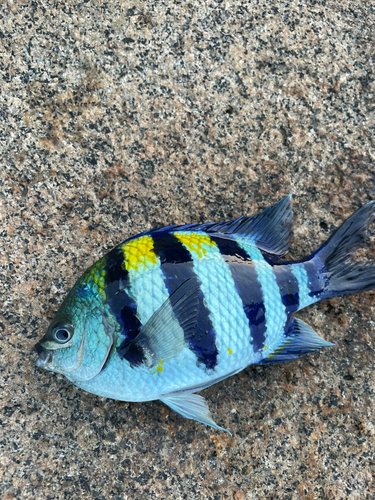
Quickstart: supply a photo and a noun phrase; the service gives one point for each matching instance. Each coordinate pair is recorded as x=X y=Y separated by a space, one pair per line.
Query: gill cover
x=84 y=355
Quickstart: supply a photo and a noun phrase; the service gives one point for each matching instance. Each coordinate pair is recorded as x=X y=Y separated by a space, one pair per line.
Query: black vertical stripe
x=288 y=286
x=314 y=282
x=115 y=270
x=119 y=300
x=248 y=287
x=177 y=267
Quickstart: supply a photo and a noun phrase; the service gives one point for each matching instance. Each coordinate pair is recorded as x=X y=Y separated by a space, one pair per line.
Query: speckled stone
x=120 y=116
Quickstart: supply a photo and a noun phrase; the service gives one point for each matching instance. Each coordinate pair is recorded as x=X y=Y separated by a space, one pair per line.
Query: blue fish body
x=174 y=310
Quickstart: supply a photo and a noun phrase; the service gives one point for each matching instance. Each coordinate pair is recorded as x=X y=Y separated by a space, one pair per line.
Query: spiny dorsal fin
x=270 y=230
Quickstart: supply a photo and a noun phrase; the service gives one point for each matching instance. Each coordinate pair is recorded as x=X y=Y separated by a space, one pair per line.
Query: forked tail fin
x=333 y=262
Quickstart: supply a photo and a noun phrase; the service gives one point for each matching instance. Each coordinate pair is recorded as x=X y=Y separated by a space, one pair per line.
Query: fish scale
x=275 y=310
x=222 y=300
x=174 y=310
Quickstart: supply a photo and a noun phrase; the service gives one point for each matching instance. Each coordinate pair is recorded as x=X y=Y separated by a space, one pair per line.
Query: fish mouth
x=45 y=357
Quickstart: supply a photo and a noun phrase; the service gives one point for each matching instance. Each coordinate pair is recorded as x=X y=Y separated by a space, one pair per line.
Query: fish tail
x=335 y=270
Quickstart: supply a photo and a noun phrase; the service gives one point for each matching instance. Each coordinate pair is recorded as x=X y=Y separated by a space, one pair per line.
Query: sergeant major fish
x=175 y=310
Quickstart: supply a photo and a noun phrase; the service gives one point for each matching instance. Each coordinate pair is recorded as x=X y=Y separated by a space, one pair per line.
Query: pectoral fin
x=164 y=335
x=191 y=406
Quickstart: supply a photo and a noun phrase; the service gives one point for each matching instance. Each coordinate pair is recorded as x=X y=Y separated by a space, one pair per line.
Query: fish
x=174 y=310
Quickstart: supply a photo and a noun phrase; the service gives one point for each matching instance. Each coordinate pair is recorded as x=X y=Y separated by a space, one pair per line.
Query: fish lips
x=45 y=357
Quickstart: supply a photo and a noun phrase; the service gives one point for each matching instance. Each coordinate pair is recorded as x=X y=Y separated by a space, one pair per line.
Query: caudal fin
x=333 y=260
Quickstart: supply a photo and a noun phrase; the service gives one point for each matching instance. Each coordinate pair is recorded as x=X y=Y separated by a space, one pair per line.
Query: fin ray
x=192 y=407
x=333 y=259
x=270 y=230
x=163 y=336
x=300 y=339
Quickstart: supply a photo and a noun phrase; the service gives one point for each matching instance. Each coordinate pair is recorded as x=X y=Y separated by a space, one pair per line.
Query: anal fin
x=191 y=406
x=300 y=339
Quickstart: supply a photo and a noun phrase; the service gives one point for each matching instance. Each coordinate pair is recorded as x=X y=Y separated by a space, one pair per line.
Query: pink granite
x=121 y=116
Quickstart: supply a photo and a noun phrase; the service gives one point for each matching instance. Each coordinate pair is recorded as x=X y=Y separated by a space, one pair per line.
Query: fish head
x=80 y=337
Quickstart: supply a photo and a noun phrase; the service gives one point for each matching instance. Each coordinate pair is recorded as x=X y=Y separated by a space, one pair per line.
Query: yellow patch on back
x=230 y=350
x=139 y=254
x=199 y=244
x=159 y=369
x=97 y=275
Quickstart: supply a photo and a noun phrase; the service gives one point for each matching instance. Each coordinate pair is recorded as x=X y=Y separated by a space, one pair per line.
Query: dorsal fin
x=270 y=230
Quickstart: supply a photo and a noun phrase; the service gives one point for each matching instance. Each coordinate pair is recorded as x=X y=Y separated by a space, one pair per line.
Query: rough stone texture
x=121 y=116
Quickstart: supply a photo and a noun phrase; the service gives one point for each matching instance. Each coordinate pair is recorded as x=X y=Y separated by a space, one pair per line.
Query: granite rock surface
x=120 y=116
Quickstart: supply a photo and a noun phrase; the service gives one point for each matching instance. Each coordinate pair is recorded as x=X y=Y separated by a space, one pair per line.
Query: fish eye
x=62 y=333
